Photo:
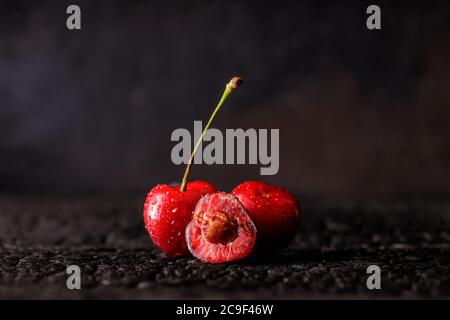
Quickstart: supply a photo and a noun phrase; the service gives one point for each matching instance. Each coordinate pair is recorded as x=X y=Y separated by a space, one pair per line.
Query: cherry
x=275 y=212
x=168 y=210
x=220 y=230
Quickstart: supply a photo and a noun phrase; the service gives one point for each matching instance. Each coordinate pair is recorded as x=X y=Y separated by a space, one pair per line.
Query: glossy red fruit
x=167 y=211
x=220 y=230
x=275 y=212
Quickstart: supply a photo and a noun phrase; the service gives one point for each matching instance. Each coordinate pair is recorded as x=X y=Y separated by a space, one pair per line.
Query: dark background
x=86 y=118
x=361 y=113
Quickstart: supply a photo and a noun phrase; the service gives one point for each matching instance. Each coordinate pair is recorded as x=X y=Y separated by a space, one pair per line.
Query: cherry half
x=220 y=230
x=275 y=212
x=168 y=210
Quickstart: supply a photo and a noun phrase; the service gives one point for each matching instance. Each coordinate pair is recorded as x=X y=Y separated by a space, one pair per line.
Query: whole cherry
x=168 y=210
x=275 y=212
x=220 y=230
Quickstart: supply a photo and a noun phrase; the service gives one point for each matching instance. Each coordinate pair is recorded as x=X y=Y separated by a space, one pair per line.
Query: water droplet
x=154 y=211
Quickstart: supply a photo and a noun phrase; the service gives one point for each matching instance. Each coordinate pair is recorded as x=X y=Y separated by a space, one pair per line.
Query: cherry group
x=217 y=227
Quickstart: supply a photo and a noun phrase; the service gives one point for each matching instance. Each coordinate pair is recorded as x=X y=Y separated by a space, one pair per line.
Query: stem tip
x=234 y=83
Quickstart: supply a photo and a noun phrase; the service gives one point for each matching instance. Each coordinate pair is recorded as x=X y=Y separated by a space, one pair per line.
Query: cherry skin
x=167 y=211
x=275 y=212
x=220 y=230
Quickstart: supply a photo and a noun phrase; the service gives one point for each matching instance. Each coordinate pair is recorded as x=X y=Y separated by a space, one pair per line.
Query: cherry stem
x=234 y=83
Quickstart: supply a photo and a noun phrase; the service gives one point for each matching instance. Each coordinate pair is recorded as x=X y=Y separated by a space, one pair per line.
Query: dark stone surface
x=40 y=237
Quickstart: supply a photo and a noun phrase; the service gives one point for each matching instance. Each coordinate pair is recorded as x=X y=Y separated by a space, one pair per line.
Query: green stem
x=230 y=87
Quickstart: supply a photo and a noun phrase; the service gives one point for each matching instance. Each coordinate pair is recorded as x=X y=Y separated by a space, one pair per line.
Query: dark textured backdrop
x=360 y=112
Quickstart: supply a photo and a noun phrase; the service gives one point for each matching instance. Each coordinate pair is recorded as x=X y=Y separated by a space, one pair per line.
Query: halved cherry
x=220 y=230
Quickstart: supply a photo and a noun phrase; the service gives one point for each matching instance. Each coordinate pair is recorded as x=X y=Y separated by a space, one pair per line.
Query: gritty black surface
x=40 y=237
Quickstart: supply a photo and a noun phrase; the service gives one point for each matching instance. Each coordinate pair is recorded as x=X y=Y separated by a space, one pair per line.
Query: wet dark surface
x=338 y=240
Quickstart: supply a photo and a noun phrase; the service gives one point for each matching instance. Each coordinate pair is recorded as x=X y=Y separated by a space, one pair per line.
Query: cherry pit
x=195 y=218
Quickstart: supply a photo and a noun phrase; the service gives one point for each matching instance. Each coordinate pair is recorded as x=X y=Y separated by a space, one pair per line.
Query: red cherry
x=167 y=211
x=220 y=230
x=275 y=212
